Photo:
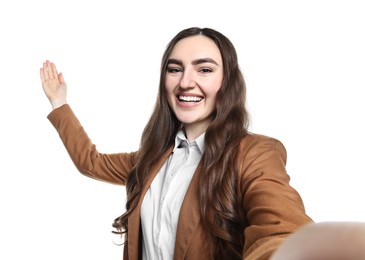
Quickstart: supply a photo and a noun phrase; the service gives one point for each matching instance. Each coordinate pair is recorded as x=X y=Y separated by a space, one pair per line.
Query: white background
x=303 y=62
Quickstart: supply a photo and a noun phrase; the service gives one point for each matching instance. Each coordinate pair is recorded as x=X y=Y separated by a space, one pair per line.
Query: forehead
x=196 y=47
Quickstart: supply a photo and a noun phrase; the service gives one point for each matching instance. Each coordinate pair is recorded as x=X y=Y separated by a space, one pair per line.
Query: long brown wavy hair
x=218 y=179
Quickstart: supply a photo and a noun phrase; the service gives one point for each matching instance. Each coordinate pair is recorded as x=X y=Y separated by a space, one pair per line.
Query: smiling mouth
x=193 y=99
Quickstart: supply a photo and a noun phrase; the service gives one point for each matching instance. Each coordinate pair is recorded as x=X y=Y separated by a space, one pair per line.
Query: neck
x=193 y=131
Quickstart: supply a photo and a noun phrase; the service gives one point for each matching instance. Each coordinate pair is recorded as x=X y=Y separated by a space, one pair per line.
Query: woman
x=200 y=186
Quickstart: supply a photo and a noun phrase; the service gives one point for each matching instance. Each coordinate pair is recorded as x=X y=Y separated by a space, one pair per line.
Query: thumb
x=61 y=79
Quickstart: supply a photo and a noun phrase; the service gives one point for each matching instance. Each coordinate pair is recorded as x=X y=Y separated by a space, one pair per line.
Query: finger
x=53 y=71
x=45 y=70
x=49 y=70
x=41 y=73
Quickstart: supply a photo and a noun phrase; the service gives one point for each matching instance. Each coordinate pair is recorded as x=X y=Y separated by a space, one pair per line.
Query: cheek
x=169 y=85
x=215 y=86
x=169 y=91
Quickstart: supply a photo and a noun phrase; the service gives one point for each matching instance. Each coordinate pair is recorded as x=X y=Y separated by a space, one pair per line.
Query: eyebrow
x=195 y=62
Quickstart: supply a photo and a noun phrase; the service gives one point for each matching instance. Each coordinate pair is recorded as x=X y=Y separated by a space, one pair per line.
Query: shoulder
x=252 y=142
x=258 y=148
x=261 y=162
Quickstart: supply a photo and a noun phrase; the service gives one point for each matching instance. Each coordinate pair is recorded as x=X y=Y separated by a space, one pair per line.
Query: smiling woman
x=200 y=186
x=194 y=76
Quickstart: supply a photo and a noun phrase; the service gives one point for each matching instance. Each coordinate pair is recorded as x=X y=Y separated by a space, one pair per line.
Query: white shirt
x=161 y=205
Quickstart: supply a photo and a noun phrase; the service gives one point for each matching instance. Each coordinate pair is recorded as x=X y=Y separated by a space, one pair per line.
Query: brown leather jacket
x=273 y=209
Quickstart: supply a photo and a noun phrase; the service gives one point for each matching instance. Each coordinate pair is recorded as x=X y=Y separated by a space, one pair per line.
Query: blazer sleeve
x=272 y=208
x=112 y=168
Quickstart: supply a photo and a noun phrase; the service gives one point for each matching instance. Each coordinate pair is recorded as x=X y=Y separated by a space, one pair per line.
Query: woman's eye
x=173 y=70
x=205 y=70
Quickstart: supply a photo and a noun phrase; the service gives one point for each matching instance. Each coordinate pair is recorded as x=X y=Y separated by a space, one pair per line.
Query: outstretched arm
x=326 y=240
x=113 y=168
x=53 y=84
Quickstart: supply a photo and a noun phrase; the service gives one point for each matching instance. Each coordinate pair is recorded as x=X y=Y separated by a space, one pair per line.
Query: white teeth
x=190 y=98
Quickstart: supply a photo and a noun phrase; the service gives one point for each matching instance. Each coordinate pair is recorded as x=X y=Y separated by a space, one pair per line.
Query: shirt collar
x=180 y=137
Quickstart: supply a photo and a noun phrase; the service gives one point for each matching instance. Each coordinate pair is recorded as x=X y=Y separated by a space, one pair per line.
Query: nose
x=188 y=80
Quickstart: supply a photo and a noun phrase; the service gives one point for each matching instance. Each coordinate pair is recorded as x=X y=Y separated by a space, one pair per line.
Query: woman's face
x=194 y=75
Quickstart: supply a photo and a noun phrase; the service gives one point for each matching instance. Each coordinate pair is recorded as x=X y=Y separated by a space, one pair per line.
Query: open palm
x=53 y=84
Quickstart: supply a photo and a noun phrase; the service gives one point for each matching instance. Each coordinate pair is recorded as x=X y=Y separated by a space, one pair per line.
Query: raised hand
x=53 y=84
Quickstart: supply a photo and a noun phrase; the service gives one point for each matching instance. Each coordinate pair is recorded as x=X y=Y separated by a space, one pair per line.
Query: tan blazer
x=273 y=209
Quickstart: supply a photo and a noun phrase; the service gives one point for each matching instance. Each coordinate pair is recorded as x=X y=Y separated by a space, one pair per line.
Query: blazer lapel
x=189 y=218
x=134 y=221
